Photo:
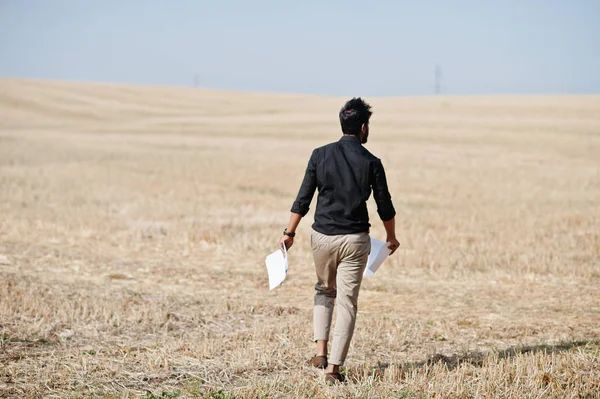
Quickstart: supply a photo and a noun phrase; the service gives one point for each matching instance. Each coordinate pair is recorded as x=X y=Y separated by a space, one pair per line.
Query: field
x=134 y=223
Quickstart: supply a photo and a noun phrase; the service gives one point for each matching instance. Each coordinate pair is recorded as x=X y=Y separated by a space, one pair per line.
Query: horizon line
x=75 y=81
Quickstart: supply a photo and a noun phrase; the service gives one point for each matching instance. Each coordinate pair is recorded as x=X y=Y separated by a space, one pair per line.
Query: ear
x=363 y=128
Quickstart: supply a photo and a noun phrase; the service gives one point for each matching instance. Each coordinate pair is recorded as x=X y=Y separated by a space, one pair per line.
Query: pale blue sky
x=330 y=47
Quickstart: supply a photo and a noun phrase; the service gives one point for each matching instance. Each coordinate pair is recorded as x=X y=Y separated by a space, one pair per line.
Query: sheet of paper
x=379 y=253
x=277 y=267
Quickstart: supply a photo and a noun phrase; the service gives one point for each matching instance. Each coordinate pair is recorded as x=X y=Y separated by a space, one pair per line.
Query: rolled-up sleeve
x=382 y=196
x=308 y=187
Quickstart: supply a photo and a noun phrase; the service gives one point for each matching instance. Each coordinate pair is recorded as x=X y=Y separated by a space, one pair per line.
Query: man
x=345 y=174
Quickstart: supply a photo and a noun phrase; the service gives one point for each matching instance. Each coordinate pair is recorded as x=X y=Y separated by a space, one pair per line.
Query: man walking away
x=345 y=173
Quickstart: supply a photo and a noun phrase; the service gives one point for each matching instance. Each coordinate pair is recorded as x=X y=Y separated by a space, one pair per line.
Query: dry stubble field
x=134 y=223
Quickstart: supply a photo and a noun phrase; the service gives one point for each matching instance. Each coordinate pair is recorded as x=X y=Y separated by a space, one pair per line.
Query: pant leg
x=325 y=254
x=354 y=256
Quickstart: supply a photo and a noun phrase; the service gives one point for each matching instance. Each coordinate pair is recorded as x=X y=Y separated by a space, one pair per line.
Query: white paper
x=277 y=267
x=379 y=253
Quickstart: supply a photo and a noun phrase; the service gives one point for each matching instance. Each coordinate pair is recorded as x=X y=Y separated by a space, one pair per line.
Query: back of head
x=353 y=115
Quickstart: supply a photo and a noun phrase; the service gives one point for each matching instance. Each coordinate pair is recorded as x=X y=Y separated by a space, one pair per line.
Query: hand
x=394 y=244
x=288 y=241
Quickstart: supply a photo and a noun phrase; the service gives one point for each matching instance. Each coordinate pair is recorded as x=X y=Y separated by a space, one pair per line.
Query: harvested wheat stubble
x=135 y=221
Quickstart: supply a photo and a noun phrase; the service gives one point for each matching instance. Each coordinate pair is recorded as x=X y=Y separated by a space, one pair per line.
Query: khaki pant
x=340 y=262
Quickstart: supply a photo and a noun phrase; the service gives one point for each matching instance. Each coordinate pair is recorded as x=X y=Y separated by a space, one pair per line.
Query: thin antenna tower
x=438 y=79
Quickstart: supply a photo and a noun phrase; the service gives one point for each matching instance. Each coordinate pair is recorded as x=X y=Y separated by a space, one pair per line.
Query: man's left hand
x=394 y=244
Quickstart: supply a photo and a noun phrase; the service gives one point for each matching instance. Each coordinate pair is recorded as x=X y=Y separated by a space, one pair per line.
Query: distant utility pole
x=196 y=80
x=438 y=79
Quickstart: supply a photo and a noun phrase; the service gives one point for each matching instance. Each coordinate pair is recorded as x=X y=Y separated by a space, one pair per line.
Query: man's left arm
x=385 y=208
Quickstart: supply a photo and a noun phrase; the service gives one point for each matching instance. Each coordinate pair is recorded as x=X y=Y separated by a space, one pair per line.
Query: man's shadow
x=475 y=359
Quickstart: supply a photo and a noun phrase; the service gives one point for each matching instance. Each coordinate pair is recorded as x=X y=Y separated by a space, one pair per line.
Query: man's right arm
x=385 y=208
x=301 y=206
x=308 y=187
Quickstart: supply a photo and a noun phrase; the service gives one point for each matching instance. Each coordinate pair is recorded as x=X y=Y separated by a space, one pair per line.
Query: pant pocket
x=321 y=243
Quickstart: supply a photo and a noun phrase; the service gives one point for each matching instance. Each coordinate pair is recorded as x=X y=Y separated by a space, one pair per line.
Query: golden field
x=134 y=223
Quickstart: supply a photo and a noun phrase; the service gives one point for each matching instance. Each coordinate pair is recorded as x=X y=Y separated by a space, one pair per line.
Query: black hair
x=353 y=115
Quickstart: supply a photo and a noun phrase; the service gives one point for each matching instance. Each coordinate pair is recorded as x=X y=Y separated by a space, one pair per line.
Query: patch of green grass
x=217 y=395
x=6 y=338
x=411 y=395
x=163 y=395
x=212 y=393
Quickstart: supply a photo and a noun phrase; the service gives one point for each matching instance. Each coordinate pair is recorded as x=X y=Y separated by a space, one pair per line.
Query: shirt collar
x=351 y=139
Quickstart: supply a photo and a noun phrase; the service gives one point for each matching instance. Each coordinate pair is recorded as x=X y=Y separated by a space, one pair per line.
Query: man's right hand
x=288 y=241
x=394 y=244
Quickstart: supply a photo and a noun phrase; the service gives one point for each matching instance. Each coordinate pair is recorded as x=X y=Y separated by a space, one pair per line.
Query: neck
x=355 y=136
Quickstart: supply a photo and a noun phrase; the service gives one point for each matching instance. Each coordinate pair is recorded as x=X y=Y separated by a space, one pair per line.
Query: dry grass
x=135 y=222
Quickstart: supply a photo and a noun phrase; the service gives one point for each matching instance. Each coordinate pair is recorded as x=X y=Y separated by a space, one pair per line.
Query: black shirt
x=345 y=173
